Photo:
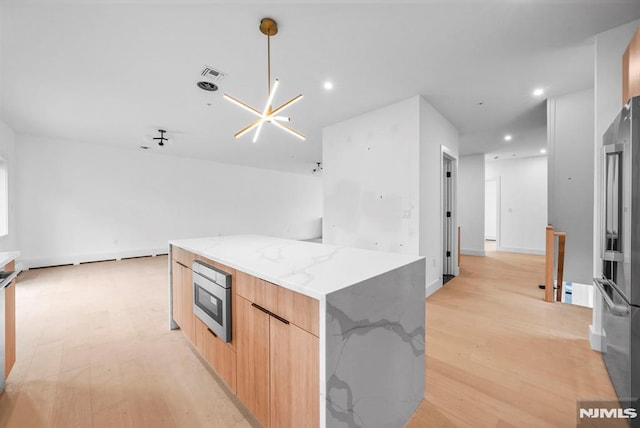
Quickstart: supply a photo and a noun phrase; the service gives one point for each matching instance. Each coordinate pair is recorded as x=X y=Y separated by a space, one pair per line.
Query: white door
x=490 y=210
x=448 y=181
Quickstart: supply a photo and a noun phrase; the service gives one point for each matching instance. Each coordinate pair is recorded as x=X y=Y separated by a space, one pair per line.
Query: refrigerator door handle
x=616 y=310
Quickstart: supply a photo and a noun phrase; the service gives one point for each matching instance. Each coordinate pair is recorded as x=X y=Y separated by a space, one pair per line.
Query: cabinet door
x=176 y=291
x=221 y=358
x=252 y=348
x=10 y=327
x=200 y=336
x=188 y=318
x=294 y=383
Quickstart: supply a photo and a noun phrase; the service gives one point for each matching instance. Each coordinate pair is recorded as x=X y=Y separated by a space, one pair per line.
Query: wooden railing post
x=560 y=277
x=548 y=265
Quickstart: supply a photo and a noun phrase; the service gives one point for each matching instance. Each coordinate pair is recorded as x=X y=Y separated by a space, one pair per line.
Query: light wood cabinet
x=631 y=69
x=252 y=347
x=272 y=361
x=220 y=355
x=10 y=323
x=294 y=364
x=221 y=358
x=278 y=362
x=301 y=310
x=183 y=300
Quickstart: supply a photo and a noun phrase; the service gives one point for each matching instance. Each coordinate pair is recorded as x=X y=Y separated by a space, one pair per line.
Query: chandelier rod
x=268 y=64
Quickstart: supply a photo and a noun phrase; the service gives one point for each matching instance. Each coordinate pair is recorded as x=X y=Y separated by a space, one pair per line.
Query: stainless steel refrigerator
x=620 y=234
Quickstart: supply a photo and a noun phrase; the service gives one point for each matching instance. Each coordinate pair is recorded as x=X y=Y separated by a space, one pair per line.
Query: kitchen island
x=322 y=335
x=7 y=313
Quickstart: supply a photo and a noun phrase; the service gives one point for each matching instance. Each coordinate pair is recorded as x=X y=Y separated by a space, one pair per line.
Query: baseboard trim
x=478 y=253
x=89 y=258
x=597 y=340
x=522 y=250
x=433 y=287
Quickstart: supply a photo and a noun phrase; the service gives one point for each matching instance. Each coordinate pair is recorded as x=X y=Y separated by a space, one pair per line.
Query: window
x=4 y=198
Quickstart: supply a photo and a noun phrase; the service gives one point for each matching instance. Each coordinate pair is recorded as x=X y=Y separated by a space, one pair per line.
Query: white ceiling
x=111 y=72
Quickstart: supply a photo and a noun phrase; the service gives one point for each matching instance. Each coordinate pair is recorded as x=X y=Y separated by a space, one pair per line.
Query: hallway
x=498 y=355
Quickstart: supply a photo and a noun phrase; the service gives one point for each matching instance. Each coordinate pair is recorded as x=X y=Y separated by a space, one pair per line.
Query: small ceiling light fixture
x=269 y=28
x=328 y=85
x=507 y=137
x=543 y=151
x=161 y=139
x=537 y=92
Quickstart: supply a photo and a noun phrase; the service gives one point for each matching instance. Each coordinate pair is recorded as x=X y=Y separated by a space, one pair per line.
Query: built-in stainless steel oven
x=212 y=298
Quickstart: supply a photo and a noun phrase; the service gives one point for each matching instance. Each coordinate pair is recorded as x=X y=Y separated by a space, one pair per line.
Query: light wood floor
x=94 y=349
x=499 y=356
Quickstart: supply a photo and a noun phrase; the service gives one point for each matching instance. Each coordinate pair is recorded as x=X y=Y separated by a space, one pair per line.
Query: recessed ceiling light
x=537 y=92
x=507 y=137
x=328 y=85
x=543 y=151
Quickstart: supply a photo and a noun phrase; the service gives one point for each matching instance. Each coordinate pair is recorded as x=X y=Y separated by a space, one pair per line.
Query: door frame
x=498 y=223
x=445 y=153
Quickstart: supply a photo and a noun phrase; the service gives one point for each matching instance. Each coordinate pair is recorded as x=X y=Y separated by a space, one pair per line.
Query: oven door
x=212 y=304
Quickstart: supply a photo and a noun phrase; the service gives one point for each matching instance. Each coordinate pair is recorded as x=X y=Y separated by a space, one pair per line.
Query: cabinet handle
x=214 y=335
x=268 y=312
x=261 y=308
x=279 y=318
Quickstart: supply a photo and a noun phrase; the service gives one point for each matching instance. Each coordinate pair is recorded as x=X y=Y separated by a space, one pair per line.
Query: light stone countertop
x=313 y=269
x=7 y=256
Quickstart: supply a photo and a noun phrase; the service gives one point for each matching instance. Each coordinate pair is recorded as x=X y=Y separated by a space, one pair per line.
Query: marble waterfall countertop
x=315 y=270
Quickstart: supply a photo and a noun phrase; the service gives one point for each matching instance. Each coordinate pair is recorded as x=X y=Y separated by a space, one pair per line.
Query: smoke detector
x=210 y=78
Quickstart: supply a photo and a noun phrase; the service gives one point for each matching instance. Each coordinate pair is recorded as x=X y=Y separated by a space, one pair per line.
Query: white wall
x=570 y=170
x=471 y=204
x=370 y=180
x=7 y=152
x=82 y=202
x=609 y=48
x=523 y=202
x=382 y=181
x=437 y=134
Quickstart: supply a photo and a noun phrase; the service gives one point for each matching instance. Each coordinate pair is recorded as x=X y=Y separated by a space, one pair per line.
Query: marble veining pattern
x=306 y=267
x=372 y=321
x=375 y=350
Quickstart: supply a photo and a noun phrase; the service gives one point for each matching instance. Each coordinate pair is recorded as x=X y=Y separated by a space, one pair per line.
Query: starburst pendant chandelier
x=269 y=28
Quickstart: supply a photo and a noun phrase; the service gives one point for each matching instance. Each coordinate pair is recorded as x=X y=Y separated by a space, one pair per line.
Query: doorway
x=449 y=247
x=492 y=213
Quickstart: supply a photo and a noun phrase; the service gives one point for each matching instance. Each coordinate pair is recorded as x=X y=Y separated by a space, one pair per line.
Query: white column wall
x=570 y=155
x=382 y=181
x=437 y=135
x=370 y=180
x=471 y=204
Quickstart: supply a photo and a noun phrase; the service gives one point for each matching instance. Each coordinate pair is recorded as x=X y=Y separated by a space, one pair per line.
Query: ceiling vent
x=212 y=75
x=210 y=79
